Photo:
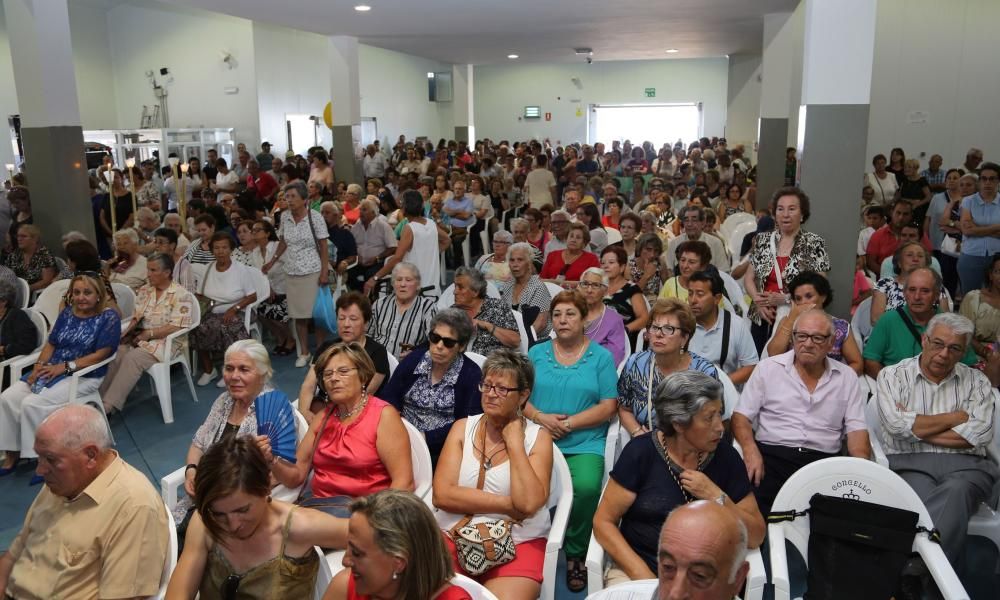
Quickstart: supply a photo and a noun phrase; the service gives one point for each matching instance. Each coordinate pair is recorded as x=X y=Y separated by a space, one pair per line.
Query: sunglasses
x=448 y=342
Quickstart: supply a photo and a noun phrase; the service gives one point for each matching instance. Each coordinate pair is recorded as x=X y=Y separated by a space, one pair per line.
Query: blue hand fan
x=276 y=420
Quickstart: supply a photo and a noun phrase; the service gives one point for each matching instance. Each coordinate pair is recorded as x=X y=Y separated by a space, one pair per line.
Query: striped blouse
x=391 y=328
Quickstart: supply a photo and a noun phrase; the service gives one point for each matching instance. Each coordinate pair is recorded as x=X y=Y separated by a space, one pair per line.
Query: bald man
x=98 y=529
x=702 y=556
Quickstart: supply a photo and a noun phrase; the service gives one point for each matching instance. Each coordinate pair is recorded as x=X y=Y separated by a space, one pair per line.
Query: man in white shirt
x=719 y=336
x=559 y=223
x=540 y=184
x=373 y=164
x=375 y=240
x=936 y=418
x=694 y=221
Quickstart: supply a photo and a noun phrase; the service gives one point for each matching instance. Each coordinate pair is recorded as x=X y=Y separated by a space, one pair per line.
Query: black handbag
x=857 y=549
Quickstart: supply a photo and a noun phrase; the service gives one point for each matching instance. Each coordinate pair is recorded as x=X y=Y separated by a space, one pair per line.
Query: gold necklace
x=360 y=406
x=568 y=357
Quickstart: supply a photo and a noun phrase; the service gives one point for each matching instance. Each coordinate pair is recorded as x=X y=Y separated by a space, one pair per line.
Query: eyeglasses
x=448 y=342
x=989 y=178
x=817 y=339
x=340 y=373
x=936 y=346
x=590 y=285
x=497 y=389
x=230 y=586
x=666 y=330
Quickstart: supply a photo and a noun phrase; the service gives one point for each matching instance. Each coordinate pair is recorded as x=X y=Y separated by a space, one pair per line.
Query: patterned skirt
x=275 y=310
x=215 y=335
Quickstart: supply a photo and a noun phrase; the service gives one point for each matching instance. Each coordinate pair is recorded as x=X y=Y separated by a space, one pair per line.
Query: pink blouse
x=346 y=462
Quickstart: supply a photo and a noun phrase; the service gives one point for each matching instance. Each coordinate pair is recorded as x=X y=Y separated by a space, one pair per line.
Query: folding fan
x=276 y=420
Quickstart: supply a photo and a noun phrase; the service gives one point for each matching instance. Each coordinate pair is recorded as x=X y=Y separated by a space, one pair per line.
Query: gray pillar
x=775 y=104
x=771 y=136
x=345 y=93
x=45 y=82
x=463 y=105
x=346 y=139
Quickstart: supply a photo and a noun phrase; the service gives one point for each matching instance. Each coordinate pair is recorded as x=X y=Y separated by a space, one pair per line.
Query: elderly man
x=937 y=422
x=897 y=335
x=97 y=529
x=260 y=182
x=973 y=158
x=343 y=243
x=702 y=554
x=694 y=221
x=375 y=242
x=803 y=404
x=373 y=163
x=559 y=224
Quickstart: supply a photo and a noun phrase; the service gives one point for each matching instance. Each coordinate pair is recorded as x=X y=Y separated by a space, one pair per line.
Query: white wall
x=188 y=42
x=502 y=92
x=937 y=58
x=743 y=95
x=394 y=91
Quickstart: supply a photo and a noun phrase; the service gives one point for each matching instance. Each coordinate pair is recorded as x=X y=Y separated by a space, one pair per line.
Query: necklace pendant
x=488 y=464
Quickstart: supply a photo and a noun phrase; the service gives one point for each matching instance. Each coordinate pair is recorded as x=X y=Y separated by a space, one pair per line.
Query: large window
x=658 y=123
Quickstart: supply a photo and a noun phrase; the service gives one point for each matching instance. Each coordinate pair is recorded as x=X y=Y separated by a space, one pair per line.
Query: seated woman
x=525 y=292
x=243 y=544
x=514 y=459
x=692 y=256
x=603 y=325
x=18 y=334
x=568 y=265
x=671 y=324
x=127 y=266
x=84 y=334
x=161 y=308
x=246 y=253
x=622 y=295
x=574 y=398
x=30 y=260
x=811 y=290
x=982 y=307
x=889 y=290
x=400 y=321
x=396 y=552
x=494 y=264
x=647 y=266
x=494 y=323
x=679 y=462
x=358 y=446
x=354 y=312
x=435 y=385
x=229 y=286
x=246 y=373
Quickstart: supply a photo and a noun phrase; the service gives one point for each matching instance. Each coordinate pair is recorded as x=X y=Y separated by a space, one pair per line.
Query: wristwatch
x=70 y=367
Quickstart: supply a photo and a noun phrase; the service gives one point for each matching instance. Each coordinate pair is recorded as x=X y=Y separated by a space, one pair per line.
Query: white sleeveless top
x=424 y=254
x=497 y=482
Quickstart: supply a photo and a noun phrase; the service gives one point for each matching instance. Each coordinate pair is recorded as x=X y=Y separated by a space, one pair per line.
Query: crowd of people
x=509 y=302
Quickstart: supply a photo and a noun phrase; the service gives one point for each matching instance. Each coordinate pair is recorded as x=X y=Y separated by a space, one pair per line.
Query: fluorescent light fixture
x=532 y=112
x=10 y=166
x=512 y=56
x=430 y=75
x=362 y=8
x=673 y=51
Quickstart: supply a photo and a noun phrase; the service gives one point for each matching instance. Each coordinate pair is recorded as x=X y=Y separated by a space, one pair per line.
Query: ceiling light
x=362 y=8
x=512 y=56
x=673 y=51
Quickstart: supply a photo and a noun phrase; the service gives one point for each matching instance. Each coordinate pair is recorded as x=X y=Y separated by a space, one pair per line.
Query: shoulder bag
x=205 y=304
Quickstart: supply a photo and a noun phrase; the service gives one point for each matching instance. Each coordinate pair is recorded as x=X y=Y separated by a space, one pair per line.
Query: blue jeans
x=972 y=271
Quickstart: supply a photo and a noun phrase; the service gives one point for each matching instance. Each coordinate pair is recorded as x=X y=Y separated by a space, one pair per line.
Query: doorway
x=658 y=123
x=302 y=133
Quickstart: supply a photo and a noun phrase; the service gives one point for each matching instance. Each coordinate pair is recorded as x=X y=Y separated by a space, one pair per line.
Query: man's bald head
x=76 y=426
x=73 y=447
x=702 y=554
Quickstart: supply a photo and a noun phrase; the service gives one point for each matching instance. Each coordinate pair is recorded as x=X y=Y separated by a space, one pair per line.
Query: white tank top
x=497 y=482
x=424 y=254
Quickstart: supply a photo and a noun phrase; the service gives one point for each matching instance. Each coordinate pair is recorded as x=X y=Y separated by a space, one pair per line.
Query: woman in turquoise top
x=980 y=225
x=574 y=397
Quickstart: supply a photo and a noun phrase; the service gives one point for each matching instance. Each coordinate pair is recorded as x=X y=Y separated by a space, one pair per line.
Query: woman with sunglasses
x=436 y=385
x=241 y=543
x=515 y=457
x=671 y=324
x=574 y=398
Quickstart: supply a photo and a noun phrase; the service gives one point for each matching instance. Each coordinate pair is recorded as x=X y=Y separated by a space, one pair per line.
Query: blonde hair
x=94 y=282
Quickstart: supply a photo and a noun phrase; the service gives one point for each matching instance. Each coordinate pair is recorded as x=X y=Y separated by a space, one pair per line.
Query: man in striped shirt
x=937 y=421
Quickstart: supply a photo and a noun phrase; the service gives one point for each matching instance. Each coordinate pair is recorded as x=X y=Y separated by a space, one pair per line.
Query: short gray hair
x=331 y=204
x=354 y=188
x=503 y=236
x=299 y=187
x=128 y=234
x=682 y=395
x=371 y=203
x=165 y=261
x=525 y=247
x=459 y=322
x=477 y=281
x=145 y=211
x=406 y=266
x=84 y=425
x=519 y=222
x=958 y=324
x=506 y=360
x=257 y=353
x=596 y=271
x=8 y=293
x=815 y=311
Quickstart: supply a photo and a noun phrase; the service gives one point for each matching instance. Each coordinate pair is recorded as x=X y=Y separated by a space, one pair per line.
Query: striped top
x=904 y=392
x=390 y=327
x=197 y=256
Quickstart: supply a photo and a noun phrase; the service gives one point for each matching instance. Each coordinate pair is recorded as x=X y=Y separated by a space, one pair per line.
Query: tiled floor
x=156 y=449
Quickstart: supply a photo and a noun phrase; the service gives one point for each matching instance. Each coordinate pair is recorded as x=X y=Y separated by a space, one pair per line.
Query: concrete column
x=463 y=104
x=775 y=104
x=839 y=49
x=45 y=82
x=345 y=93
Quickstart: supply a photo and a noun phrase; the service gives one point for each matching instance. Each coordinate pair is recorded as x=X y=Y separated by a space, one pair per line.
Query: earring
x=269 y=499
x=395 y=576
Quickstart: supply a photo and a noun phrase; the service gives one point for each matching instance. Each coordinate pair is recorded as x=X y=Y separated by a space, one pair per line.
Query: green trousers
x=587 y=470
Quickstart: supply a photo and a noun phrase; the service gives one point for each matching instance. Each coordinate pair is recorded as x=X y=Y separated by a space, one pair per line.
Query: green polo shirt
x=892 y=342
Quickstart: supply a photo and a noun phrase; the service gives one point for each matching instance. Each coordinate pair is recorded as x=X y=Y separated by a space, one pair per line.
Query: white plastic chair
x=447 y=299
x=861 y=322
x=476 y=590
x=630 y=590
x=735 y=293
x=735 y=238
x=324 y=576
x=41 y=334
x=47 y=303
x=420 y=456
x=735 y=220
x=23 y=293
x=553 y=288
x=522 y=331
x=263 y=288
x=561 y=499
x=730 y=395
x=160 y=372
x=856 y=477
x=393 y=364
x=126 y=301
x=171 y=561
x=614 y=236
x=477 y=358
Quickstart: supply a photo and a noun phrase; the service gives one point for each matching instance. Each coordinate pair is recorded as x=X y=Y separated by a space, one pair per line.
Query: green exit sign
x=651 y=92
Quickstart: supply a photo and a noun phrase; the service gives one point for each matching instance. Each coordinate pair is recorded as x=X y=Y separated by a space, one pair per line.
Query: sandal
x=576 y=574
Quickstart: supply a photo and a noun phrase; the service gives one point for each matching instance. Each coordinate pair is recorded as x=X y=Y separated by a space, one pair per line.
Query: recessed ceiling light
x=512 y=56
x=673 y=51
x=362 y=8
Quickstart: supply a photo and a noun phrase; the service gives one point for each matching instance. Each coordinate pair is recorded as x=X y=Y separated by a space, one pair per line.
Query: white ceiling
x=486 y=31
